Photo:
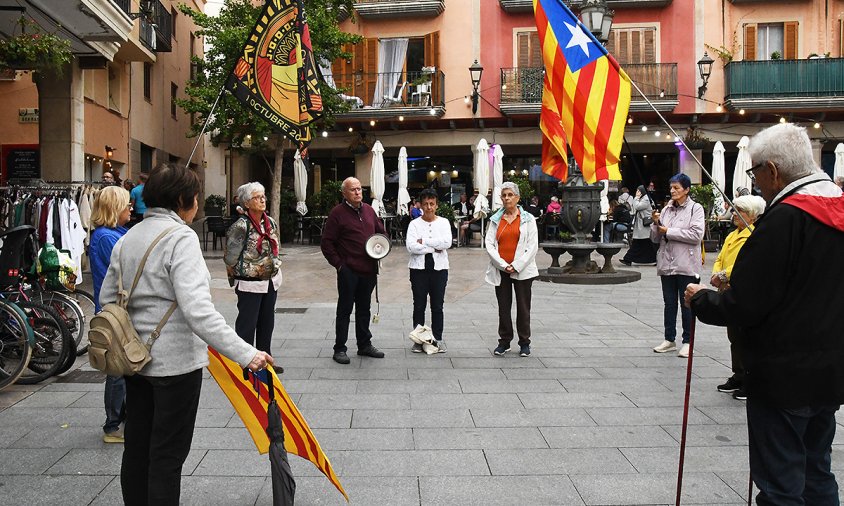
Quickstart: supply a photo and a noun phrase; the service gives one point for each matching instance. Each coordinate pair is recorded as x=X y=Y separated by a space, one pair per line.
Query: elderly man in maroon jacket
x=785 y=296
x=348 y=227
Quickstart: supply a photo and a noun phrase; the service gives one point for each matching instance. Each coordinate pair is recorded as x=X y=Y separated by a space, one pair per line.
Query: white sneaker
x=665 y=347
x=684 y=351
x=431 y=348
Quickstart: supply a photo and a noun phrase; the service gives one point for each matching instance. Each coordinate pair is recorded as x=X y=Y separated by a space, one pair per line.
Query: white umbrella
x=743 y=162
x=839 y=161
x=497 y=176
x=719 y=176
x=482 y=179
x=404 y=197
x=376 y=178
x=300 y=183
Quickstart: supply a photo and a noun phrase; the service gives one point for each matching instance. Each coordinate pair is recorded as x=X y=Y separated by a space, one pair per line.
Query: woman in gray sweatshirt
x=162 y=400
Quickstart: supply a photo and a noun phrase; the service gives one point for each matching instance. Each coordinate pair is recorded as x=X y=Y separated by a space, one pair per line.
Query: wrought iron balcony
x=156 y=31
x=527 y=5
x=371 y=96
x=375 y=9
x=785 y=84
x=521 y=88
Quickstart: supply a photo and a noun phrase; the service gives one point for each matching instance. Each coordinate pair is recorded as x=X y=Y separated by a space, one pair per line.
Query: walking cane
x=686 y=410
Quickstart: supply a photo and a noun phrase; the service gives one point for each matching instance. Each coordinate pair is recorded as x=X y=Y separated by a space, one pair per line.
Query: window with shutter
x=529 y=53
x=432 y=59
x=358 y=74
x=633 y=45
x=790 y=44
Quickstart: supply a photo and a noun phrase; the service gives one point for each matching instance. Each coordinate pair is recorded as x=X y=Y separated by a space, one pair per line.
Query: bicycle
x=17 y=340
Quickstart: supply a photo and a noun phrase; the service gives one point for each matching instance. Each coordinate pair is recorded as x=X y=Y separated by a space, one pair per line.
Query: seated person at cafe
x=619 y=223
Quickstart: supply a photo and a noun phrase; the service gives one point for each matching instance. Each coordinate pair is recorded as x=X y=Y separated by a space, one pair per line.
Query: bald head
x=352 y=191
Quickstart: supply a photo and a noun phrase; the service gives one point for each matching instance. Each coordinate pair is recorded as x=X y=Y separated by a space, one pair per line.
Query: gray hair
x=789 y=147
x=244 y=193
x=511 y=186
x=839 y=180
x=750 y=204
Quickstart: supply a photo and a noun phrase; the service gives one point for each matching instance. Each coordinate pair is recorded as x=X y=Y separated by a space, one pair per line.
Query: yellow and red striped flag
x=585 y=97
x=252 y=410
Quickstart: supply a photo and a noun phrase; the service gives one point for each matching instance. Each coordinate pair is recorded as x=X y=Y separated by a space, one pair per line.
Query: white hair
x=789 y=147
x=245 y=191
x=750 y=204
x=511 y=186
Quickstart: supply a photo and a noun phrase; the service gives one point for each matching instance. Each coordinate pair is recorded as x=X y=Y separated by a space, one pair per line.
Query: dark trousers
x=504 y=295
x=790 y=454
x=354 y=291
x=160 y=416
x=426 y=283
x=733 y=335
x=256 y=317
x=672 y=294
x=114 y=397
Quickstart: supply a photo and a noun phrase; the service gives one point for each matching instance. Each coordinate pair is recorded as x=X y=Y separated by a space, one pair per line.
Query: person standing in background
x=137 y=199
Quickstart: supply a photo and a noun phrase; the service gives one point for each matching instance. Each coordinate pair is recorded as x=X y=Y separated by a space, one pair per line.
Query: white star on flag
x=578 y=38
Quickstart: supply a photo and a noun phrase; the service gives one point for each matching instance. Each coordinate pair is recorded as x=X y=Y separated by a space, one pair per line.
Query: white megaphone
x=378 y=246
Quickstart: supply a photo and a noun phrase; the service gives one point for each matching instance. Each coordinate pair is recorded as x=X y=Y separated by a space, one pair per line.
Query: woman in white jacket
x=512 y=243
x=427 y=241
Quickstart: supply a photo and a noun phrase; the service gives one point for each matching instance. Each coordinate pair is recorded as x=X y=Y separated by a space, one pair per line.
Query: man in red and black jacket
x=785 y=296
x=344 y=237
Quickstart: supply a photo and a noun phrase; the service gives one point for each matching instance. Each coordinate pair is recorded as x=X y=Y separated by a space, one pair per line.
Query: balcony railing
x=156 y=32
x=527 y=5
x=125 y=5
x=372 y=96
x=521 y=88
x=791 y=84
x=374 y=9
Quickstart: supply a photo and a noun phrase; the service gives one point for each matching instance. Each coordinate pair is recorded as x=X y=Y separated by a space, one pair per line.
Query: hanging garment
x=72 y=234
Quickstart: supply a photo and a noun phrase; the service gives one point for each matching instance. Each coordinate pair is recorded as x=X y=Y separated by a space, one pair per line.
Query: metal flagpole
x=676 y=136
x=205 y=125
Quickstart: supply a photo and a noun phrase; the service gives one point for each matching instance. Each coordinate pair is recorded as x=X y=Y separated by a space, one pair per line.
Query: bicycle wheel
x=15 y=343
x=53 y=343
x=86 y=302
x=70 y=312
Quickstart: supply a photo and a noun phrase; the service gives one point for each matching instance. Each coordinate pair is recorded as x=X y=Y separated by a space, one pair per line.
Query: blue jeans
x=114 y=396
x=672 y=294
x=790 y=454
x=612 y=230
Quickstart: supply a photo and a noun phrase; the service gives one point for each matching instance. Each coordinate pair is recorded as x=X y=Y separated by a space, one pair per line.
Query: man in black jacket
x=344 y=237
x=785 y=296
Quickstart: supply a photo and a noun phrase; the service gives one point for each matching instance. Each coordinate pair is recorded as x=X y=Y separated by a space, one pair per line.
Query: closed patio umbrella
x=497 y=176
x=839 y=161
x=376 y=176
x=300 y=183
x=719 y=175
x=743 y=162
x=404 y=197
x=481 y=177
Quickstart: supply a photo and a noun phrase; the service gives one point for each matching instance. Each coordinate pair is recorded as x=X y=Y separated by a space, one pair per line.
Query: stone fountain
x=581 y=212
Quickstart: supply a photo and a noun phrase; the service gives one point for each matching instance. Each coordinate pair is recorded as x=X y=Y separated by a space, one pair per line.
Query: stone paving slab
x=592 y=417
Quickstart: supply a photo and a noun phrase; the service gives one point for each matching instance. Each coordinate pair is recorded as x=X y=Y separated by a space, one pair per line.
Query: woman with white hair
x=746 y=210
x=512 y=243
x=254 y=267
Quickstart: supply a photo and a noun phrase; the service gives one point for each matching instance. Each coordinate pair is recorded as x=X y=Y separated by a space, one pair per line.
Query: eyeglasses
x=750 y=171
x=262 y=198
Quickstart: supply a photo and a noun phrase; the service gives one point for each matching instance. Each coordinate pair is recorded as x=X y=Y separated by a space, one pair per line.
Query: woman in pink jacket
x=679 y=231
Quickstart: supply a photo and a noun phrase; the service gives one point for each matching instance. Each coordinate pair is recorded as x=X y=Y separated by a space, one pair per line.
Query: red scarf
x=263 y=233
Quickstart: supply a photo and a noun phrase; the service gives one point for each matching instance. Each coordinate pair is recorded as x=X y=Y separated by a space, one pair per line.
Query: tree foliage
x=225 y=35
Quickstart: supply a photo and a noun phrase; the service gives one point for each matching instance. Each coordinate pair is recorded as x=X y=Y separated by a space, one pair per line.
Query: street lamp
x=597 y=18
x=704 y=67
x=475 y=71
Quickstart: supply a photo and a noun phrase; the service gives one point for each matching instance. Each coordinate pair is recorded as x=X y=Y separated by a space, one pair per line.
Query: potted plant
x=361 y=144
x=34 y=49
x=705 y=196
x=214 y=205
x=694 y=139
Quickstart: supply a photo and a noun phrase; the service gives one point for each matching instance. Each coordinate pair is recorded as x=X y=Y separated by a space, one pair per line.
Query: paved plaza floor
x=592 y=417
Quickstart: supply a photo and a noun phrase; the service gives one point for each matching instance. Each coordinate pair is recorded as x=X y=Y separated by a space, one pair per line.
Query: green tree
x=233 y=124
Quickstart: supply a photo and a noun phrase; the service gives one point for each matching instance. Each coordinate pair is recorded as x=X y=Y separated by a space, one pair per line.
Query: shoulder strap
x=122 y=295
x=140 y=270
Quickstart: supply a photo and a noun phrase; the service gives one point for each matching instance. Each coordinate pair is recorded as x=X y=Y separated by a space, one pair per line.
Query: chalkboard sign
x=21 y=162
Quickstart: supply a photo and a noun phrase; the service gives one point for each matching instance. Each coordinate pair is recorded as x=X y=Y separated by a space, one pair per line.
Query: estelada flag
x=276 y=76
x=251 y=407
x=585 y=97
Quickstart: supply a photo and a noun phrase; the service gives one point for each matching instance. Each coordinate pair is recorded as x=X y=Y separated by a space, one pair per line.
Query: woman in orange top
x=512 y=243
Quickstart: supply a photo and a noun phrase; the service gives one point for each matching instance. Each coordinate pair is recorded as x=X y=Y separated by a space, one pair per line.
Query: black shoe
x=625 y=262
x=341 y=358
x=729 y=386
x=371 y=351
x=740 y=394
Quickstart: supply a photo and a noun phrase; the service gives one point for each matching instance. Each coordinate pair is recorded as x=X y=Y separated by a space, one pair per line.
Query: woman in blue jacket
x=110 y=213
